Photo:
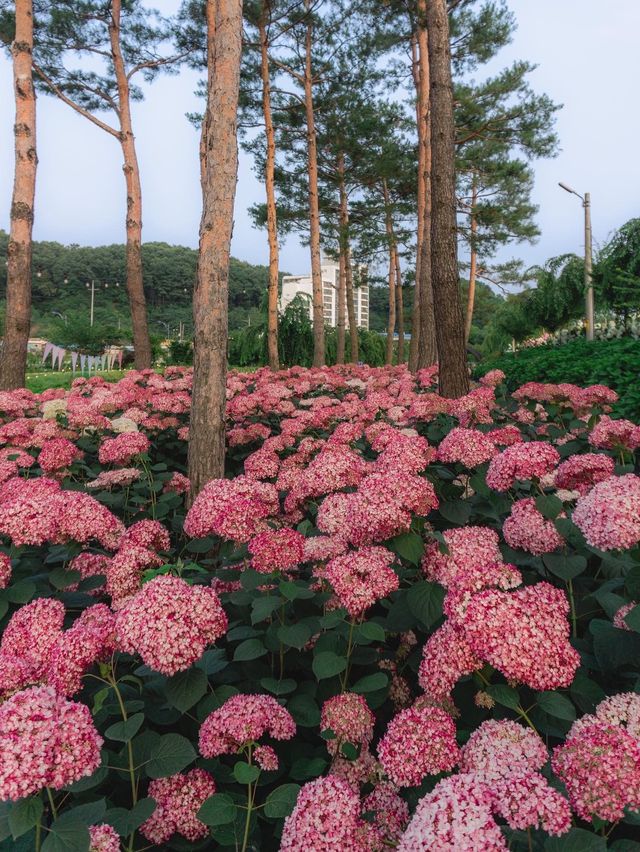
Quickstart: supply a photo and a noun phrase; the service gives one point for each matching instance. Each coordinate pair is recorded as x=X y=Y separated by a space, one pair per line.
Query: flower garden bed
x=400 y=622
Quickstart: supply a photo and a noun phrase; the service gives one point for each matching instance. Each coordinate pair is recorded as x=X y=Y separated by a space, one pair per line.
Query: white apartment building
x=294 y=285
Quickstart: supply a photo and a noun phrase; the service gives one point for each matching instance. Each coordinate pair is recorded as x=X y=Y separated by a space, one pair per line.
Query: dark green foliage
x=615 y=363
x=617 y=273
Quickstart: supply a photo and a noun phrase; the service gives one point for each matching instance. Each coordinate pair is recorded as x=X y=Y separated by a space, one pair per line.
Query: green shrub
x=615 y=363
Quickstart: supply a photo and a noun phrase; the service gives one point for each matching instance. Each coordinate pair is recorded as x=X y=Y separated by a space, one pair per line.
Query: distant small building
x=295 y=285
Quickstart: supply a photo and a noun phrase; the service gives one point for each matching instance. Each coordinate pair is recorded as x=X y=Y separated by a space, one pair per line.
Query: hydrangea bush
x=400 y=621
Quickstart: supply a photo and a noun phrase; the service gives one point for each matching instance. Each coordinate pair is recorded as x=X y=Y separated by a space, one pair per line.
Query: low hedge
x=615 y=363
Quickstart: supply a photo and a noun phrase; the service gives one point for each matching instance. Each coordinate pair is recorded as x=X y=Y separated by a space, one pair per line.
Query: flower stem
x=572 y=603
x=132 y=771
x=345 y=680
x=54 y=811
x=250 y=799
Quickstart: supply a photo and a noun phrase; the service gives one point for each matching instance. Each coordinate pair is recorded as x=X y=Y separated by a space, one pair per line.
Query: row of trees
x=371 y=137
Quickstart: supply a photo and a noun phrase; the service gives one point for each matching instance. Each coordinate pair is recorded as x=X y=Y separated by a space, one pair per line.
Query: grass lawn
x=39 y=382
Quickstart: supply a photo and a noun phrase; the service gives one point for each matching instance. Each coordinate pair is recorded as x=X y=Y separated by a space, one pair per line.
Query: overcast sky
x=588 y=60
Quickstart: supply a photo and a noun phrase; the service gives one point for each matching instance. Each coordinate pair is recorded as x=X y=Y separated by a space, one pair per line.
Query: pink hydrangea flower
x=526 y=528
x=235 y=509
x=362 y=577
x=150 y=534
x=419 y=741
x=530 y=460
x=609 y=515
x=242 y=720
x=501 y=748
x=123 y=448
x=599 y=764
x=390 y=813
x=178 y=800
x=446 y=657
x=529 y=801
x=266 y=758
x=125 y=569
x=5 y=570
x=350 y=719
x=470 y=447
x=103 y=838
x=45 y=741
x=621 y=614
x=580 y=473
x=28 y=642
x=611 y=434
x=524 y=634
x=108 y=479
x=170 y=623
x=326 y=818
x=58 y=454
x=456 y=815
x=91 y=638
x=178 y=483
x=276 y=550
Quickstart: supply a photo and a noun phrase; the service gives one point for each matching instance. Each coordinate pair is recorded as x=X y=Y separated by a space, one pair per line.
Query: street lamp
x=92 y=286
x=588 y=259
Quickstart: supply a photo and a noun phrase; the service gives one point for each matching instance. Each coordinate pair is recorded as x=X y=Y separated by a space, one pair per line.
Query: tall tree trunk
x=449 y=322
x=427 y=351
x=354 y=354
x=13 y=356
x=135 y=284
x=399 y=305
x=391 y=324
x=314 y=204
x=342 y=305
x=473 y=266
x=422 y=108
x=210 y=299
x=270 y=165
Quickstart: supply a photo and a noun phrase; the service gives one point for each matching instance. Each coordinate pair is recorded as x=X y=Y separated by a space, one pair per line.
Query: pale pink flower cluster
x=522 y=461
x=235 y=509
x=446 y=657
x=242 y=720
x=348 y=716
x=390 y=814
x=5 y=570
x=469 y=447
x=609 y=515
x=108 y=479
x=150 y=534
x=362 y=577
x=610 y=434
x=125 y=569
x=123 y=448
x=91 y=638
x=178 y=799
x=103 y=838
x=526 y=528
x=178 y=483
x=492 y=378
x=45 y=741
x=620 y=616
x=58 y=454
x=276 y=550
x=581 y=473
x=419 y=741
x=473 y=561
x=170 y=623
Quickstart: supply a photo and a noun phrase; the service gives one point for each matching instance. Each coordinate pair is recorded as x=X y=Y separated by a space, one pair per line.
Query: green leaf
x=89 y=813
x=613 y=648
x=586 y=693
x=218 y=809
x=371 y=683
x=24 y=814
x=292 y=590
x=61 y=579
x=505 y=695
x=328 y=664
x=425 y=601
x=456 y=511
x=306 y=768
x=371 y=631
x=278 y=687
x=245 y=773
x=171 y=755
x=304 y=710
x=556 y=705
x=632 y=619
x=126 y=822
x=281 y=801
x=262 y=608
x=563 y=566
x=213 y=661
x=295 y=635
x=185 y=689
x=632 y=582
x=549 y=506
x=200 y=545
x=21 y=592
x=577 y=840
x=409 y=546
x=250 y=649
x=125 y=731
x=67 y=834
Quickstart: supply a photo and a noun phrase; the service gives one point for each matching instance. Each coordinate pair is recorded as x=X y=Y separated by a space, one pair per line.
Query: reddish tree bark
x=473 y=266
x=354 y=353
x=13 y=356
x=449 y=322
x=342 y=305
x=391 y=323
x=270 y=165
x=210 y=300
x=135 y=283
x=314 y=204
x=399 y=306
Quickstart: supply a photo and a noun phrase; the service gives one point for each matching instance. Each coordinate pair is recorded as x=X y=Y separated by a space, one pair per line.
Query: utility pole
x=93 y=295
x=588 y=259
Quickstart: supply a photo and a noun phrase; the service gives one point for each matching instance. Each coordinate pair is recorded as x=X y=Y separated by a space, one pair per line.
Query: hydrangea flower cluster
x=242 y=720
x=276 y=550
x=5 y=570
x=522 y=461
x=103 y=838
x=526 y=528
x=609 y=515
x=469 y=447
x=178 y=799
x=123 y=448
x=45 y=741
x=610 y=434
x=235 y=509
x=57 y=454
x=581 y=473
x=170 y=623
x=349 y=718
x=362 y=577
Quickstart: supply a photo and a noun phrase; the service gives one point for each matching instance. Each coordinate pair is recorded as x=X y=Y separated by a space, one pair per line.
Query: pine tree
x=13 y=357
x=219 y=168
x=127 y=38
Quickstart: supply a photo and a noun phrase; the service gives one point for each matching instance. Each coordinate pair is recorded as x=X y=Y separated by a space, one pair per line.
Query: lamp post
x=588 y=258
x=92 y=287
